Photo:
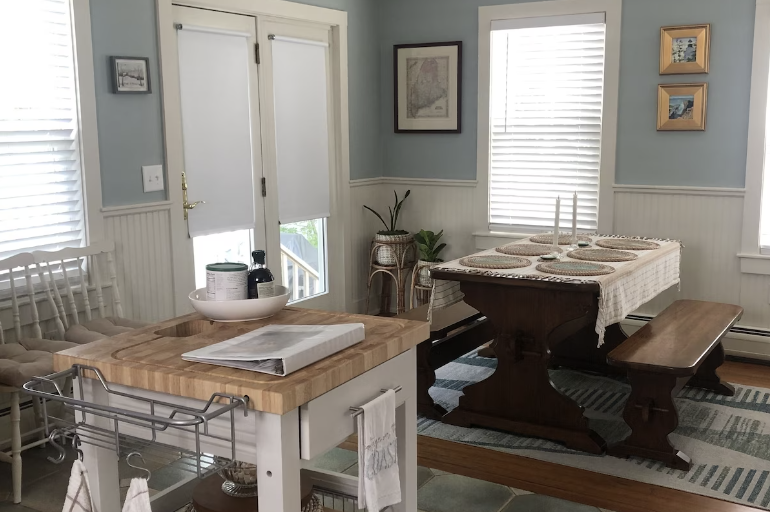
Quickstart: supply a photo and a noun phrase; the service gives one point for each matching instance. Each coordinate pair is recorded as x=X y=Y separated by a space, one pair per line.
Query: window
x=755 y=245
x=552 y=111
x=41 y=193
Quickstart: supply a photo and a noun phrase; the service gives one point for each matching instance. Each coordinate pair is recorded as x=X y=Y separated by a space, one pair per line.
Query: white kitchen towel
x=378 y=481
x=138 y=497
x=78 y=497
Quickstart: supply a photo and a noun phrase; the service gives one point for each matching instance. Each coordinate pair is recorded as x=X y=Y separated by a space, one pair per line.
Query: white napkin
x=138 y=497
x=78 y=490
x=378 y=481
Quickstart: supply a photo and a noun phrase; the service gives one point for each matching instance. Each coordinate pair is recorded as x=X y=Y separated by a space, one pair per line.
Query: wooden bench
x=682 y=345
x=454 y=331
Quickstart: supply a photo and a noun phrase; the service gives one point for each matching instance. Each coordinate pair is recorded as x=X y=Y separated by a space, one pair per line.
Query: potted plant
x=429 y=250
x=398 y=240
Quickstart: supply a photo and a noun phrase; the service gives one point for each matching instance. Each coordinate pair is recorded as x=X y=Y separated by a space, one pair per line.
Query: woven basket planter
x=392 y=254
x=422 y=272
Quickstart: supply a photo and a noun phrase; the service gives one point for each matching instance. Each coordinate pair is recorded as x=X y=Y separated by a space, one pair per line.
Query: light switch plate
x=152 y=177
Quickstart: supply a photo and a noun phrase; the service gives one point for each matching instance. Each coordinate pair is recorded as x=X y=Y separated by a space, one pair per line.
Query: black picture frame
x=397 y=128
x=117 y=76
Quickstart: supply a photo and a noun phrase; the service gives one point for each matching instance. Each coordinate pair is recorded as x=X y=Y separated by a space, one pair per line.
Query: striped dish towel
x=78 y=490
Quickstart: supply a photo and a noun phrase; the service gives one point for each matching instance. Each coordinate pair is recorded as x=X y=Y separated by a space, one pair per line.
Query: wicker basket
x=393 y=251
x=422 y=271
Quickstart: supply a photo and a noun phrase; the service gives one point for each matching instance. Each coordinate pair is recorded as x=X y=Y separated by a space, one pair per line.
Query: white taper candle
x=574 y=217
x=556 y=223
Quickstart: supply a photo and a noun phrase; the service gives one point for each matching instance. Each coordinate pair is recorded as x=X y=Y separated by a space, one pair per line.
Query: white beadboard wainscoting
x=142 y=235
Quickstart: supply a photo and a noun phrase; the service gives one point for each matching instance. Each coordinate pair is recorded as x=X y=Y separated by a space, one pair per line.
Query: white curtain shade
x=302 y=130
x=41 y=198
x=546 y=121
x=216 y=128
x=764 y=235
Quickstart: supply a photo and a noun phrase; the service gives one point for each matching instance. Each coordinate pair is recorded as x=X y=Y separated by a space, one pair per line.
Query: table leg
x=278 y=461
x=101 y=463
x=519 y=396
x=707 y=376
x=406 y=433
x=426 y=377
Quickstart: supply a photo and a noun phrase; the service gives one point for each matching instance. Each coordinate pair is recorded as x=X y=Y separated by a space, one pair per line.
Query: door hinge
x=256 y=50
x=264 y=188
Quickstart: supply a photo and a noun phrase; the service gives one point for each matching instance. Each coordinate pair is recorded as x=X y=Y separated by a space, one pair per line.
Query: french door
x=241 y=189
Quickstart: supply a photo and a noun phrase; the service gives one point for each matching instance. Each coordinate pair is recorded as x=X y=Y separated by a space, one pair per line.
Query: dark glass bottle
x=261 y=282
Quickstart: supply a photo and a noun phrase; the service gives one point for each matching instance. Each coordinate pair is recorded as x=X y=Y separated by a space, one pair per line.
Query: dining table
x=549 y=312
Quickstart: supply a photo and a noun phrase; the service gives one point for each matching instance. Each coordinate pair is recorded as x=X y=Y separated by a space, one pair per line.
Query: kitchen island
x=289 y=421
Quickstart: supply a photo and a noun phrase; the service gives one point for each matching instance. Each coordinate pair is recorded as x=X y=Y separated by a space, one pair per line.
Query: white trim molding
x=488 y=14
x=89 y=132
x=395 y=180
x=680 y=190
x=755 y=152
x=114 y=211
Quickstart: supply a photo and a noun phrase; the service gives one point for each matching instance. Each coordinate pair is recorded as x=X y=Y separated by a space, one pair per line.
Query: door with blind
x=219 y=103
x=257 y=148
x=547 y=83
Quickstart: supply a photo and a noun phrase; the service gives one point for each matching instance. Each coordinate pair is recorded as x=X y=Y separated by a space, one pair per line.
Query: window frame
x=752 y=259
x=487 y=14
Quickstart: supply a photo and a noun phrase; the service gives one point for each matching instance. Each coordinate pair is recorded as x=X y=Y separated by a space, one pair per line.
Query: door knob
x=187 y=206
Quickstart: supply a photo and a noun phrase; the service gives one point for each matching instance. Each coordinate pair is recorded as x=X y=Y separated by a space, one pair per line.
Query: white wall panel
x=143 y=261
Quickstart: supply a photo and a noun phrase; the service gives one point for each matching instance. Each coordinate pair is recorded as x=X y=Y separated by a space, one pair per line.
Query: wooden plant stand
x=398 y=272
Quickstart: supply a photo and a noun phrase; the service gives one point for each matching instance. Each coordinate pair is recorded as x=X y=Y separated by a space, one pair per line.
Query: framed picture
x=682 y=106
x=685 y=49
x=130 y=75
x=427 y=87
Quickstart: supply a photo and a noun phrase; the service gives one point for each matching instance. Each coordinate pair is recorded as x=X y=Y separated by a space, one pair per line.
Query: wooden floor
x=578 y=485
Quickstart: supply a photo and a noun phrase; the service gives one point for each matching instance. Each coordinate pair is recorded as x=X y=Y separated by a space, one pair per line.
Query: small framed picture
x=130 y=75
x=682 y=106
x=685 y=49
x=427 y=87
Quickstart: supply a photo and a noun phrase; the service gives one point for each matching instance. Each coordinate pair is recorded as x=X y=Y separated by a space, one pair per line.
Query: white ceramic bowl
x=239 y=310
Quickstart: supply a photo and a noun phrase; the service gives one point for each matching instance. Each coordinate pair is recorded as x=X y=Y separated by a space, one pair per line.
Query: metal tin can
x=226 y=281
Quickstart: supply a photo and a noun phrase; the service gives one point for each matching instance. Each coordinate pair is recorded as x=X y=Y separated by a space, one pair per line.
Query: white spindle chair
x=92 y=260
x=24 y=358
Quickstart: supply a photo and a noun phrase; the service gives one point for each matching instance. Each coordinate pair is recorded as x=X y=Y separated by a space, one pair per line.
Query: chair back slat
x=97 y=284
x=84 y=289
x=14 y=307
x=36 y=331
x=57 y=295
x=51 y=302
x=117 y=306
x=70 y=297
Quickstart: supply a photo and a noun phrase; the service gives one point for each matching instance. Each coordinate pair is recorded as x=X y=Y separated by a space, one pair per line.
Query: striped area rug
x=727 y=438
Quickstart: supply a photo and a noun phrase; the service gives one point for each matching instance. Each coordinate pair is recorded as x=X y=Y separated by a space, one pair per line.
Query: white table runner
x=632 y=284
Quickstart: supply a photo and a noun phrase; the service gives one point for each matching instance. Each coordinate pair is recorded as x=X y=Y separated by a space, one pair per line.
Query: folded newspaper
x=279 y=349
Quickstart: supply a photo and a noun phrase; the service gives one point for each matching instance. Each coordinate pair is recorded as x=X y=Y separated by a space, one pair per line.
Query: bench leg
x=652 y=416
x=426 y=377
x=707 y=377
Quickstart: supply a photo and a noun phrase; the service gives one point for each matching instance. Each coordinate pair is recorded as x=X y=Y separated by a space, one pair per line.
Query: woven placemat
x=601 y=255
x=628 y=244
x=575 y=268
x=526 y=249
x=494 y=261
x=563 y=239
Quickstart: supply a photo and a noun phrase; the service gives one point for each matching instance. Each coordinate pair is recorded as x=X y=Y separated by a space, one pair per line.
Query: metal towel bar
x=360 y=410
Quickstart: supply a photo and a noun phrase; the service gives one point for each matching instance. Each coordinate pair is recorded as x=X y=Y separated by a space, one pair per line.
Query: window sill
x=755 y=263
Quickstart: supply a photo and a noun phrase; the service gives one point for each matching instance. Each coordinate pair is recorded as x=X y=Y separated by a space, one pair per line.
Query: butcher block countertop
x=150 y=358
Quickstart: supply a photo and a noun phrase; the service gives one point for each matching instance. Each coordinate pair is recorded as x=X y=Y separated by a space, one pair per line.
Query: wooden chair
x=96 y=258
x=22 y=360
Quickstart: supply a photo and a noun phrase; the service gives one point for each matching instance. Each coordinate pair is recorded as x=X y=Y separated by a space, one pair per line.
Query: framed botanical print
x=682 y=106
x=685 y=49
x=427 y=87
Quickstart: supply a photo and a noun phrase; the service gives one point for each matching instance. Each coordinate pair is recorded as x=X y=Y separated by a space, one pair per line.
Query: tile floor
x=45 y=485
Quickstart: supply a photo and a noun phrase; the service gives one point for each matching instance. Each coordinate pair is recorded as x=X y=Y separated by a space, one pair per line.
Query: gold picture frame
x=682 y=107
x=685 y=49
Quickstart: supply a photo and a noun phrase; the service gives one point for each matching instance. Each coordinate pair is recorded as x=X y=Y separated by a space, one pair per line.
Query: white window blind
x=546 y=113
x=41 y=198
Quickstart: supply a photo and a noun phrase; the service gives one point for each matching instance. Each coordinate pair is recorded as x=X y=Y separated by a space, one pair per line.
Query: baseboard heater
x=742 y=342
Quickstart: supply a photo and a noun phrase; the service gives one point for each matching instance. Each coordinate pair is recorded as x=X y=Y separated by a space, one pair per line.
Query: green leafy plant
x=426 y=241
x=392 y=228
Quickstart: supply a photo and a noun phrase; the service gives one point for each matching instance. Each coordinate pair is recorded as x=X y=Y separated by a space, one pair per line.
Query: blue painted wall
x=716 y=157
x=130 y=126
